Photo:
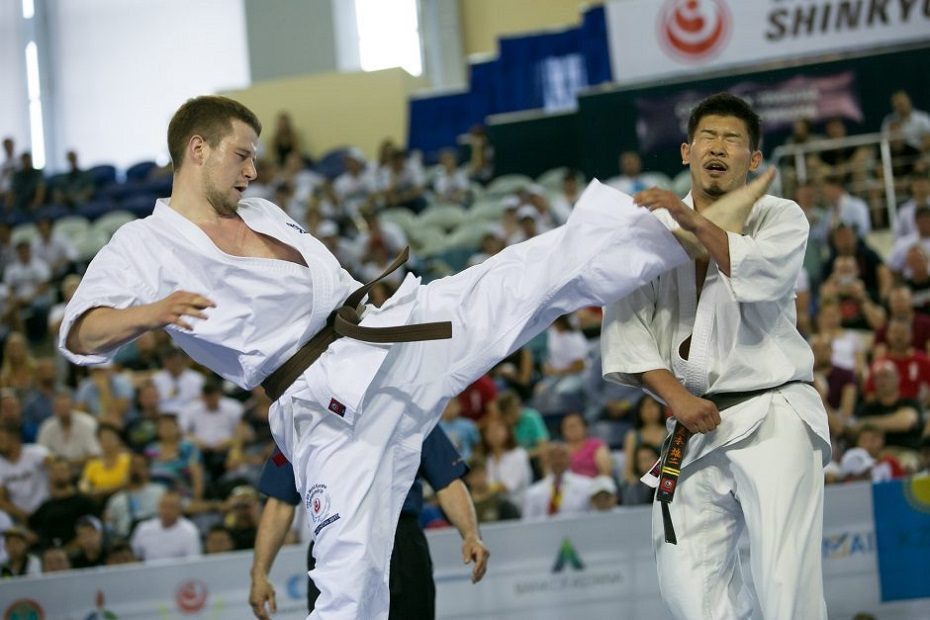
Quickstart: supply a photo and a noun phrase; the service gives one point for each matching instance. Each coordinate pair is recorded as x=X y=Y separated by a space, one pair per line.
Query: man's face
x=88 y=537
x=720 y=155
x=228 y=168
x=630 y=164
x=61 y=406
x=558 y=458
x=899 y=335
x=59 y=473
x=169 y=509
x=886 y=380
x=900 y=302
x=901 y=103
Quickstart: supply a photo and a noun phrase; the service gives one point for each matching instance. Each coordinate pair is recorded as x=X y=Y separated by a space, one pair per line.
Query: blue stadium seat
x=102 y=175
x=332 y=163
x=93 y=210
x=140 y=205
x=137 y=173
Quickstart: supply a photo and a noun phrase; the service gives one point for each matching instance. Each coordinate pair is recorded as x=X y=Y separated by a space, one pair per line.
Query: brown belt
x=344 y=322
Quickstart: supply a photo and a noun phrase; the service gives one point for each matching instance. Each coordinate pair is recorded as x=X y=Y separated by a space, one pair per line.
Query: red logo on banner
x=191 y=596
x=694 y=29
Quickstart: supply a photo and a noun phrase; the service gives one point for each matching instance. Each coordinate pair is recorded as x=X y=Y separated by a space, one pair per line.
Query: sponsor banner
x=779 y=105
x=592 y=567
x=902 y=531
x=652 y=39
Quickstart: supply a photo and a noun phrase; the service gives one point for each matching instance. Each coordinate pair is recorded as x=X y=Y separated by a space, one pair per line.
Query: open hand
x=173 y=309
x=473 y=550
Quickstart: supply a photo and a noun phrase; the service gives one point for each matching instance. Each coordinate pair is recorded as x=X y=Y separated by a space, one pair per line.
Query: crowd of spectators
x=153 y=457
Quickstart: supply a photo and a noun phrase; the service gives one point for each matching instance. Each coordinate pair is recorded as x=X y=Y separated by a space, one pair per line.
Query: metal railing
x=799 y=152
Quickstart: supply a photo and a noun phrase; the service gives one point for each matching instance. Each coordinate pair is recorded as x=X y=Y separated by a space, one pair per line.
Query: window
x=388 y=35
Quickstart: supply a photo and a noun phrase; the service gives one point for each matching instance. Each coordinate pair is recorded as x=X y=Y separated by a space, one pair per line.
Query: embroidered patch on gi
x=668 y=484
x=296 y=227
x=318 y=503
x=336 y=407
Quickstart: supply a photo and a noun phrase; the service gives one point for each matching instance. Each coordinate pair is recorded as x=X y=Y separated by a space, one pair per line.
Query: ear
x=685 y=154
x=197 y=149
x=755 y=160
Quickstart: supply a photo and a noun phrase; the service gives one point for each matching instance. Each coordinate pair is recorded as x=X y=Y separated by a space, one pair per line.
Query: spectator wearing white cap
x=561 y=492
x=492 y=243
x=19 y=562
x=344 y=251
x=451 y=183
x=856 y=465
x=354 y=186
x=603 y=493
x=178 y=386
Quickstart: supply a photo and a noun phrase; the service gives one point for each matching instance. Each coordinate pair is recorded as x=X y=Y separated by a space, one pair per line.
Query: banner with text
x=779 y=105
x=594 y=566
x=652 y=39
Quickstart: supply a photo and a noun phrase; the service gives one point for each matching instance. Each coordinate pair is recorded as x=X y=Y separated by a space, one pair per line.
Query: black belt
x=344 y=322
x=676 y=445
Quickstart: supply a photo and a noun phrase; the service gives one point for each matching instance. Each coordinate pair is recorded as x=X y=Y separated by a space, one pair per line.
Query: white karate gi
x=761 y=469
x=353 y=424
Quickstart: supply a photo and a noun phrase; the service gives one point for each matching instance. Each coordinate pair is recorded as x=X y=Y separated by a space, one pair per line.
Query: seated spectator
x=242 y=516
x=284 y=140
x=143 y=429
x=561 y=491
x=844 y=241
x=490 y=505
x=169 y=535
x=481 y=158
x=174 y=461
x=28 y=279
x=528 y=224
x=137 y=502
x=563 y=369
x=491 y=244
x=848 y=347
x=629 y=181
x=302 y=180
x=913 y=124
x=92 y=544
x=178 y=386
x=105 y=394
x=53 y=249
x=356 y=185
x=55 y=519
x=23 y=477
x=918 y=266
x=899 y=417
x=263 y=184
x=603 y=491
x=109 y=472
x=904 y=156
x=901 y=308
x=69 y=433
x=27 y=188
x=140 y=359
x=508 y=465
x=844 y=208
x=634 y=492
x=451 y=183
x=546 y=217
x=476 y=398
x=609 y=405
x=75 y=187
x=528 y=427
x=837 y=386
x=18 y=368
x=839 y=157
x=120 y=553
x=589 y=455
x=570 y=192
x=340 y=247
x=403 y=185
x=913 y=365
x=897 y=260
x=904 y=224
x=19 y=561
x=37 y=402
x=211 y=423
x=872 y=440
x=858 y=310
x=649 y=430
x=251 y=445
x=218 y=540
x=462 y=432
x=818 y=239
x=55 y=559
x=8 y=167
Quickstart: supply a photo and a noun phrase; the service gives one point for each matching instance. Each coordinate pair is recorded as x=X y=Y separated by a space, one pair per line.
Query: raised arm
x=102 y=328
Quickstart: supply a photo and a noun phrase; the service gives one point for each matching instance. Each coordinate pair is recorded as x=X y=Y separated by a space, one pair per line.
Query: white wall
x=121 y=67
x=14 y=103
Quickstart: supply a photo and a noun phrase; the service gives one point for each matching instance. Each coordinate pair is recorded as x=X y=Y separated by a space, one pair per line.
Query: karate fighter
x=723 y=331
x=246 y=292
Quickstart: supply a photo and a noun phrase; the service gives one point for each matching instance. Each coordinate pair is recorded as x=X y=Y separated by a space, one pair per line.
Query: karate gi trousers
x=768 y=484
x=354 y=476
